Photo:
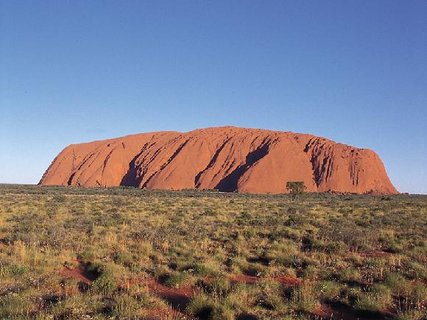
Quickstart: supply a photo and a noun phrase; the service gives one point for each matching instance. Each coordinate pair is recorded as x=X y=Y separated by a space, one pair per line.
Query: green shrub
x=14 y=306
x=220 y=286
x=204 y=308
x=282 y=252
x=377 y=300
x=203 y=269
x=13 y=270
x=173 y=279
x=107 y=281
x=411 y=315
x=123 y=257
x=271 y=295
x=295 y=188
x=329 y=290
x=126 y=306
x=398 y=285
x=418 y=295
x=305 y=297
x=350 y=275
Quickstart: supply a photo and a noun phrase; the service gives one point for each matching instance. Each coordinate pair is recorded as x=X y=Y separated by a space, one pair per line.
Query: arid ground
x=126 y=253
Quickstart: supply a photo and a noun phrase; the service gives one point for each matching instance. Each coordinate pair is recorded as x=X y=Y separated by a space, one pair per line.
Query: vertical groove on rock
x=130 y=179
x=164 y=165
x=211 y=162
x=229 y=183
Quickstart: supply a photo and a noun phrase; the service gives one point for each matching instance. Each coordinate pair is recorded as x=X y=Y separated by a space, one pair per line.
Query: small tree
x=295 y=188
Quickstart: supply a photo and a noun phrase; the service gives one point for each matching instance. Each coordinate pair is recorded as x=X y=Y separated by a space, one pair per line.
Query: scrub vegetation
x=125 y=253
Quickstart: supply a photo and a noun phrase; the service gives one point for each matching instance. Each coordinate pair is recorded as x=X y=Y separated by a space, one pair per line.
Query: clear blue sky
x=75 y=71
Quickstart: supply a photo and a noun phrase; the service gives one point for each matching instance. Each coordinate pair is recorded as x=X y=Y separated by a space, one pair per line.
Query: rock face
x=224 y=158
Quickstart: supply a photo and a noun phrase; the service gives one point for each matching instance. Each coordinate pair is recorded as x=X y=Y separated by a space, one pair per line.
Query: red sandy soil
x=337 y=311
x=78 y=273
x=223 y=158
x=178 y=298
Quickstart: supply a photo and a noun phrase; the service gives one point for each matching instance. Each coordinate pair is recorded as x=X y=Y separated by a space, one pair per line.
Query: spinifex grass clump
x=71 y=253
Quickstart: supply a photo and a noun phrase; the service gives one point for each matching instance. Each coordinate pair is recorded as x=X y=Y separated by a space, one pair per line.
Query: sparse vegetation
x=125 y=253
x=295 y=188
